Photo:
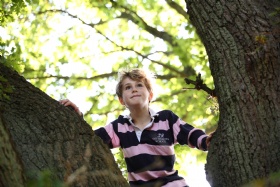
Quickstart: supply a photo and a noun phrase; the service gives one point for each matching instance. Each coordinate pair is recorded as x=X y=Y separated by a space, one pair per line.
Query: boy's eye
x=127 y=87
x=140 y=85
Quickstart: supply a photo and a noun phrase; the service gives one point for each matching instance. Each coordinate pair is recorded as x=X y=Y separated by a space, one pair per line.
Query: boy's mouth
x=135 y=96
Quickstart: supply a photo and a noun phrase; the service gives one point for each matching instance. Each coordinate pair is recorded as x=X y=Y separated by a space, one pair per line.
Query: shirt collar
x=151 y=112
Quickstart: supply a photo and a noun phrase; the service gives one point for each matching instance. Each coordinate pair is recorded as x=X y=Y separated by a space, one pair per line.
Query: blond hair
x=136 y=75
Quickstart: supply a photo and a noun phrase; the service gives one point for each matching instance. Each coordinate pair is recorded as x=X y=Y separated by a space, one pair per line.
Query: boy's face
x=134 y=94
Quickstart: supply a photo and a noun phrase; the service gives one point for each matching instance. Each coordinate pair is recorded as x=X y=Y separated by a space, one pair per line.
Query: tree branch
x=198 y=83
x=178 y=8
x=128 y=14
x=153 y=31
x=73 y=16
x=139 y=21
x=143 y=56
x=105 y=75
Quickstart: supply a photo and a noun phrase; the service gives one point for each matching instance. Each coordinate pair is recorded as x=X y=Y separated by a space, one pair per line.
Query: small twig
x=199 y=85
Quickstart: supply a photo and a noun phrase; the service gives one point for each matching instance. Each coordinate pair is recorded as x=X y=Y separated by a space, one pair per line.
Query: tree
x=242 y=42
x=40 y=135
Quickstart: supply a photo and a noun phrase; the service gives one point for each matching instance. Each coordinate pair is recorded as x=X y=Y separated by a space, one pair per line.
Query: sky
x=196 y=177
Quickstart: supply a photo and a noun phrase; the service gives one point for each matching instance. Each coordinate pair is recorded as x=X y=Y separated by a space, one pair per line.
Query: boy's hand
x=67 y=102
x=208 y=139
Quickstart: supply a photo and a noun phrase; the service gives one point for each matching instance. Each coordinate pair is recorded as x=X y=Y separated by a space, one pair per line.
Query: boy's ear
x=121 y=100
x=151 y=96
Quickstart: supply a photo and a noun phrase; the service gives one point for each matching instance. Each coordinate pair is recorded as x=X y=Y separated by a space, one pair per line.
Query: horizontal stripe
x=148 y=149
x=160 y=137
x=102 y=133
x=145 y=162
x=177 y=183
x=167 y=115
x=124 y=128
x=151 y=183
x=200 y=142
x=190 y=133
x=158 y=182
x=114 y=138
x=196 y=136
x=128 y=139
x=183 y=135
x=161 y=125
x=176 y=130
x=148 y=175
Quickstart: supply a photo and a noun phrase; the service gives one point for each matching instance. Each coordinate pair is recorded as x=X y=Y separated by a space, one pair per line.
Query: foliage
x=74 y=49
x=272 y=181
x=45 y=178
x=10 y=50
x=9 y=9
x=118 y=155
x=5 y=87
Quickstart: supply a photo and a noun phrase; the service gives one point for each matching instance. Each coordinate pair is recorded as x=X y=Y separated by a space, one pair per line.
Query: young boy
x=147 y=138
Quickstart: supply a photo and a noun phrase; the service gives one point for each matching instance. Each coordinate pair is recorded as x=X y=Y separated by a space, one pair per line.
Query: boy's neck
x=140 y=118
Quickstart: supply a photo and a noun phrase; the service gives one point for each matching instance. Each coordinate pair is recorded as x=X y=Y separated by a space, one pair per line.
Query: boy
x=147 y=138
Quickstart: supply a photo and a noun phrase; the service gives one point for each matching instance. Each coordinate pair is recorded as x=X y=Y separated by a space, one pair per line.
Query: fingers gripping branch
x=67 y=102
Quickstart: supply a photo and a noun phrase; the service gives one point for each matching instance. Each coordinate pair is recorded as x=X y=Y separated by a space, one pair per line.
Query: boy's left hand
x=67 y=102
x=208 y=139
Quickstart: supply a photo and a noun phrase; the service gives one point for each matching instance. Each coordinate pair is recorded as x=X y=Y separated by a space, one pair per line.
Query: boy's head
x=133 y=74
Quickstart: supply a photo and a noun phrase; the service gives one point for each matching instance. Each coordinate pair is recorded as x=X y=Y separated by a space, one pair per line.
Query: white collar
x=151 y=112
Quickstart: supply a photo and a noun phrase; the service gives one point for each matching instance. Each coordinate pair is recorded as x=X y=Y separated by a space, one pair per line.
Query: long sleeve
x=108 y=135
x=186 y=134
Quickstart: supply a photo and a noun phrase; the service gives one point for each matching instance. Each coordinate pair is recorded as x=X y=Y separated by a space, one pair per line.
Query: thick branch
x=141 y=23
x=178 y=8
x=135 y=18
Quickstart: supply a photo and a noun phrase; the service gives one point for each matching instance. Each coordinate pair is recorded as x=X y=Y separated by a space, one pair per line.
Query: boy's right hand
x=67 y=102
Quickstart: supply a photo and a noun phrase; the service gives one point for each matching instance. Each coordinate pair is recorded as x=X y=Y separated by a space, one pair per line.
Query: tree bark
x=50 y=137
x=242 y=41
x=10 y=166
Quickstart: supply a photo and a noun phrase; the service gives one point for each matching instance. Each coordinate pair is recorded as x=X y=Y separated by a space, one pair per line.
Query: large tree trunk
x=242 y=41
x=49 y=137
x=10 y=165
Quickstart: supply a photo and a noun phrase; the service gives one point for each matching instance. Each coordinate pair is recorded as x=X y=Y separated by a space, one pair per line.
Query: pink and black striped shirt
x=149 y=154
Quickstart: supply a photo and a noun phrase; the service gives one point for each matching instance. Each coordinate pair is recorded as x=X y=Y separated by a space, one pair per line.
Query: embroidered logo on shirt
x=160 y=139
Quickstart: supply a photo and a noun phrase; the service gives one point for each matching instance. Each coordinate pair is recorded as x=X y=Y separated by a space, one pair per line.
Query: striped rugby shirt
x=149 y=154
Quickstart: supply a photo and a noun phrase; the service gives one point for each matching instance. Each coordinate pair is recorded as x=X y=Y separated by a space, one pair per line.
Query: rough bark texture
x=242 y=41
x=10 y=166
x=49 y=136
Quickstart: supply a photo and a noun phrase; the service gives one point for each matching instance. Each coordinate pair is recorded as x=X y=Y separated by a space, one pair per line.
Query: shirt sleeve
x=108 y=135
x=186 y=134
